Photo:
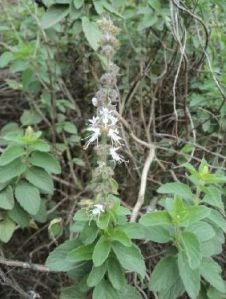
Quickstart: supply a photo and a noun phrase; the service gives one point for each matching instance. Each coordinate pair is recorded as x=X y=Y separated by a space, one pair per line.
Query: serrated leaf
x=54 y=15
x=213 y=197
x=115 y=274
x=40 y=145
x=215 y=294
x=101 y=251
x=40 y=178
x=179 y=189
x=133 y=230
x=69 y=127
x=7 y=198
x=7 y=228
x=165 y=274
x=103 y=220
x=81 y=253
x=210 y=270
x=130 y=292
x=28 y=197
x=78 y=3
x=202 y=230
x=5 y=59
x=57 y=260
x=19 y=216
x=92 y=33
x=41 y=216
x=156 y=218
x=11 y=153
x=96 y=275
x=104 y=290
x=192 y=250
x=72 y=293
x=89 y=233
x=30 y=117
x=130 y=258
x=216 y=218
x=11 y=170
x=46 y=161
x=120 y=236
x=159 y=234
x=190 y=277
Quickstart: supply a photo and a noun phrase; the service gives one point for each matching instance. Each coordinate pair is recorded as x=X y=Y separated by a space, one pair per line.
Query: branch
x=143 y=184
x=25 y=265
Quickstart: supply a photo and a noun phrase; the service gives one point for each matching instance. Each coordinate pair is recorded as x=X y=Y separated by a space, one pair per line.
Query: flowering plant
x=103 y=251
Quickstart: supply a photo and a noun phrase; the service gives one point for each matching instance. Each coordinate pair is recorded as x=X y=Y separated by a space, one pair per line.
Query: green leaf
x=40 y=145
x=104 y=290
x=78 y=3
x=41 y=216
x=5 y=59
x=159 y=234
x=81 y=253
x=81 y=215
x=175 y=291
x=11 y=153
x=57 y=260
x=156 y=218
x=46 y=161
x=213 y=197
x=28 y=197
x=7 y=198
x=30 y=117
x=115 y=274
x=130 y=292
x=197 y=213
x=11 y=170
x=210 y=270
x=216 y=218
x=130 y=258
x=103 y=220
x=165 y=274
x=54 y=15
x=120 y=236
x=101 y=251
x=192 y=250
x=96 y=275
x=69 y=127
x=19 y=216
x=133 y=230
x=92 y=33
x=72 y=293
x=89 y=233
x=215 y=294
x=179 y=189
x=190 y=277
x=7 y=228
x=40 y=178
x=202 y=230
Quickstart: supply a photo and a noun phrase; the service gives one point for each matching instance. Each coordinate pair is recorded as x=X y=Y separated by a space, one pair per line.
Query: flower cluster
x=104 y=124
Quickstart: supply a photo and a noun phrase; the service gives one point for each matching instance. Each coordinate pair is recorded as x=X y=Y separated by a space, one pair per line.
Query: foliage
x=193 y=220
x=172 y=86
x=25 y=169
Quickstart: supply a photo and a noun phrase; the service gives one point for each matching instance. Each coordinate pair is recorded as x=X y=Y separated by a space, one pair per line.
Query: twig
x=143 y=184
x=24 y=265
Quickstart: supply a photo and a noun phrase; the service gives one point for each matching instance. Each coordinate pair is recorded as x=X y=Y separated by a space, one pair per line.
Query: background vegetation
x=172 y=85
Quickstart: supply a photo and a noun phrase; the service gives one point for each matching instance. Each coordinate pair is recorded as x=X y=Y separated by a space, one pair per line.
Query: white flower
x=94 y=136
x=97 y=210
x=107 y=117
x=115 y=156
x=94 y=121
x=114 y=135
x=94 y=101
